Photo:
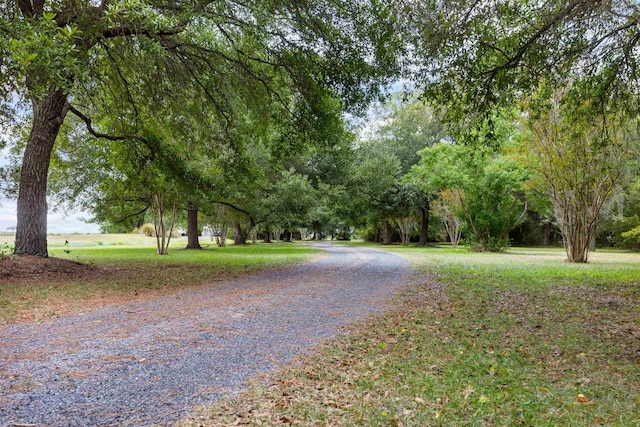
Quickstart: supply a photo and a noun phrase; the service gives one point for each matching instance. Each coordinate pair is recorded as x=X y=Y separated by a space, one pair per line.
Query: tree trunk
x=221 y=240
x=287 y=236
x=546 y=237
x=424 y=226
x=592 y=241
x=577 y=236
x=192 y=227
x=31 y=230
x=267 y=234
x=240 y=234
x=385 y=237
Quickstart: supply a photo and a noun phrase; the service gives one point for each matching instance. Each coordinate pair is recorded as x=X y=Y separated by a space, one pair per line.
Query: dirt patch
x=29 y=268
x=39 y=288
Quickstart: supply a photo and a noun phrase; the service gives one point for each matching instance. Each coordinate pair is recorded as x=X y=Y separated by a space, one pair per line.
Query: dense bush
x=148 y=230
x=631 y=238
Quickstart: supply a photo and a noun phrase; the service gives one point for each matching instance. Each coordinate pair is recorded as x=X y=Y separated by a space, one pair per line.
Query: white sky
x=58 y=222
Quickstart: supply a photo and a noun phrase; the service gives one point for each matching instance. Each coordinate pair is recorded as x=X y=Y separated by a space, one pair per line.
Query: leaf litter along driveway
x=150 y=362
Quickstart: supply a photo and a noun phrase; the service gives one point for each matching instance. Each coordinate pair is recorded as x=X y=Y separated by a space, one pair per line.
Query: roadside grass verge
x=519 y=338
x=117 y=273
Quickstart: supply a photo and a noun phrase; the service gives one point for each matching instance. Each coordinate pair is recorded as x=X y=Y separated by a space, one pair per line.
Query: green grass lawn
x=515 y=338
x=231 y=258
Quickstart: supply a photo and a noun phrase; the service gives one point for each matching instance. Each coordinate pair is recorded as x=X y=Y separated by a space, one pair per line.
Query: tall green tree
x=411 y=126
x=63 y=56
x=372 y=185
x=380 y=162
x=580 y=164
x=291 y=201
x=485 y=186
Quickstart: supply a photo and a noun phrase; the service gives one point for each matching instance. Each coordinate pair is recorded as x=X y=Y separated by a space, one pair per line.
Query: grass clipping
x=470 y=353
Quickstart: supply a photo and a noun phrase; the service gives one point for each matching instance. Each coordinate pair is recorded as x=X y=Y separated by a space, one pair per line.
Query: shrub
x=6 y=249
x=148 y=230
x=632 y=238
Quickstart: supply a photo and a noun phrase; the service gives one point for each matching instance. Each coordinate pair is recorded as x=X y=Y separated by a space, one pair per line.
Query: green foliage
x=624 y=216
x=410 y=125
x=48 y=53
x=291 y=200
x=378 y=196
x=6 y=249
x=476 y=55
x=486 y=190
x=632 y=237
x=162 y=79
x=579 y=163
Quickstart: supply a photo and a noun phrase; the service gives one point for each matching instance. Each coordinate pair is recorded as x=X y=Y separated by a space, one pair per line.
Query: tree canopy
x=109 y=62
x=473 y=55
x=202 y=104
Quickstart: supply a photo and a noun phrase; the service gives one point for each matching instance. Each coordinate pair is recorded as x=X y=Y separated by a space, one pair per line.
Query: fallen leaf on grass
x=582 y=398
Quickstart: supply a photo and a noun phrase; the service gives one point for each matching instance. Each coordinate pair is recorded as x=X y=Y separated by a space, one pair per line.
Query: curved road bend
x=149 y=362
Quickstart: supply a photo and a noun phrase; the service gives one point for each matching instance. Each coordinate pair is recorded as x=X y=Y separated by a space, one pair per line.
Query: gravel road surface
x=149 y=362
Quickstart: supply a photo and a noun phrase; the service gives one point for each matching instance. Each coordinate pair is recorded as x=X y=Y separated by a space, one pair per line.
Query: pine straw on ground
x=26 y=269
x=451 y=355
x=33 y=289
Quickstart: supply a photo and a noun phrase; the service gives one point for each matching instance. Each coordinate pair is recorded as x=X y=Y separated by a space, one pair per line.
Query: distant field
x=58 y=240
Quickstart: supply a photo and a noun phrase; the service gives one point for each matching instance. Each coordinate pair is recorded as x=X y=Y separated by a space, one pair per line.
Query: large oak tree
x=63 y=56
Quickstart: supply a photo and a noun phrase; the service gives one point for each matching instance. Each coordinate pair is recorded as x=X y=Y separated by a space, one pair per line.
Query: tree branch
x=207 y=93
x=125 y=31
x=514 y=60
x=244 y=66
x=92 y=131
x=119 y=72
x=238 y=209
x=140 y=212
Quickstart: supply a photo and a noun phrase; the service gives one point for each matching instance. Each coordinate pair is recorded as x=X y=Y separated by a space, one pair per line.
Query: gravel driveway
x=149 y=362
